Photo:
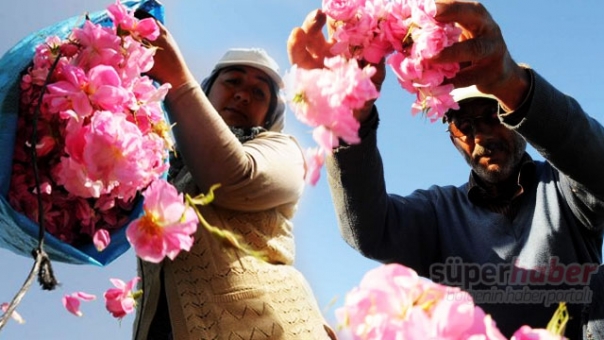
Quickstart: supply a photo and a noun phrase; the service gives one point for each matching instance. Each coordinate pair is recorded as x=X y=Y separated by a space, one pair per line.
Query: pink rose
x=167 y=226
x=71 y=302
x=101 y=239
x=342 y=9
x=120 y=301
x=527 y=333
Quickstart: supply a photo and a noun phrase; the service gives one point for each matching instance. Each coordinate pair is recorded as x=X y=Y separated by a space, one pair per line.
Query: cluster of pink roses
x=405 y=33
x=102 y=141
x=328 y=105
x=103 y=136
x=393 y=302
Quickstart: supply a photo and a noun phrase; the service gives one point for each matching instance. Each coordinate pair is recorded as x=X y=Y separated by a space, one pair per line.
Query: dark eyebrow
x=242 y=70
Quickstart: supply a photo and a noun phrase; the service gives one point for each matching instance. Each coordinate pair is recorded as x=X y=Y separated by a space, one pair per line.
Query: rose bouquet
x=393 y=302
x=101 y=133
x=405 y=34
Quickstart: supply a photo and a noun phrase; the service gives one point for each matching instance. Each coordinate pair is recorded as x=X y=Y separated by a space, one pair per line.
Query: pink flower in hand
x=16 y=316
x=435 y=101
x=121 y=16
x=124 y=18
x=347 y=84
x=305 y=97
x=166 y=227
x=121 y=301
x=101 y=239
x=71 y=302
x=342 y=9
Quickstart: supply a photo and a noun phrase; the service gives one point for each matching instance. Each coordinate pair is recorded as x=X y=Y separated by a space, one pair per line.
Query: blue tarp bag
x=17 y=232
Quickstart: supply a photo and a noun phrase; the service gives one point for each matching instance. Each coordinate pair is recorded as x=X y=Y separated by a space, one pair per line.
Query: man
x=521 y=235
x=593 y=313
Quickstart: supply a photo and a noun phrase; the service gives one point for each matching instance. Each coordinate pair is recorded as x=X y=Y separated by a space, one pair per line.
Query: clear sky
x=560 y=39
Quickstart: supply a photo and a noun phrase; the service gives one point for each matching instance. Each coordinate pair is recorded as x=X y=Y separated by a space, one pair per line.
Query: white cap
x=254 y=57
x=463 y=93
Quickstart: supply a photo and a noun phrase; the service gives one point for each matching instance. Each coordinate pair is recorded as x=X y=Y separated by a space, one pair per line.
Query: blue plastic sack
x=17 y=232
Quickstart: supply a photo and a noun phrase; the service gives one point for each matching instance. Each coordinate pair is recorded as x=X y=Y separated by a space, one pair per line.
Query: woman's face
x=242 y=96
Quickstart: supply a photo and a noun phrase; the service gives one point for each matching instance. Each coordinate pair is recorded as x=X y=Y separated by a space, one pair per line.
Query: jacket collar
x=479 y=194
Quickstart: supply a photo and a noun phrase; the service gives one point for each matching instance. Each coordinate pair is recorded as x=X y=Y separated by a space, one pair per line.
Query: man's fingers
x=314 y=22
x=313 y=25
x=469 y=15
x=465 y=77
x=480 y=34
x=319 y=48
x=484 y=74
x=467 y=51
x=297 y=47
x=306 y=45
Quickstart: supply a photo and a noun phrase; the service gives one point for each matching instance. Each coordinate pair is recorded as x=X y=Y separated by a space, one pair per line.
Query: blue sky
x=559 y=39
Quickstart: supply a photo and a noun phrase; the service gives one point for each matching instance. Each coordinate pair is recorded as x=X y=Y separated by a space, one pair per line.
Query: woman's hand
x=169 y=63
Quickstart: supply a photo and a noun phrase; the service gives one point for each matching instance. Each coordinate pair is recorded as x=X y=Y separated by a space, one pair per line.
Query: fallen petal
x=101 y=239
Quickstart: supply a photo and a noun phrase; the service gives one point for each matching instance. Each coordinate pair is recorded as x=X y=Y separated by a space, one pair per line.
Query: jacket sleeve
x=571 y=141
x=263 y=173
x=384 y=227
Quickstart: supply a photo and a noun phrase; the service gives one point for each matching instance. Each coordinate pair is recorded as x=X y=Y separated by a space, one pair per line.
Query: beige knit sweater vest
x=218 y=293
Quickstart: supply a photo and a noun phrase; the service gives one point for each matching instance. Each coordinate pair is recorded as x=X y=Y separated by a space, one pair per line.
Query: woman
x=229 y=132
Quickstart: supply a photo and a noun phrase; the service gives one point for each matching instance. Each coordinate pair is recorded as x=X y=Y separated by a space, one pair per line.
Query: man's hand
x=307 y=47
x=378 y=78
x=482 y=53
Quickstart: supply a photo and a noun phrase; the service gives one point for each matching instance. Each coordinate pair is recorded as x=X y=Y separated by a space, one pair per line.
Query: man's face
x=242 y=96
x=492 y=150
